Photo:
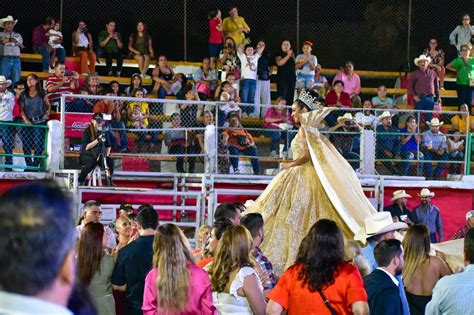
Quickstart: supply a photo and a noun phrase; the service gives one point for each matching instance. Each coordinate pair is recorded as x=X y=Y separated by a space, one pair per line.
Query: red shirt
x=215 y=36
x=16 y=109
x=347 y=289
x=204 y=262
x=345 y=99
x=64 y=89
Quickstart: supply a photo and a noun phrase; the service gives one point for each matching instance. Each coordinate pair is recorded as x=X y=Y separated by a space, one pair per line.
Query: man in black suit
x=381 y=285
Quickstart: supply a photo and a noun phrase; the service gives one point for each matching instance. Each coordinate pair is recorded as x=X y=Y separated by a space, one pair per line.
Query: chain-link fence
x=23 y=146
x=376 y=35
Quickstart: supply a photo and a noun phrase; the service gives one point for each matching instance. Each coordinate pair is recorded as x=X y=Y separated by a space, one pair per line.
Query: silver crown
x=310 y=101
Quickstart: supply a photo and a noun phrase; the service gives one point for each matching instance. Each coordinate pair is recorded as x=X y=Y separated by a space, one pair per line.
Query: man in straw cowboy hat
x=461 y=233
x=388 y=142
x=344 y=142
x=428 y=214
x=434 y=148
x=10 y=45
x=377 y=228
x=399 y=209
x=7 y=101
x=424 y=85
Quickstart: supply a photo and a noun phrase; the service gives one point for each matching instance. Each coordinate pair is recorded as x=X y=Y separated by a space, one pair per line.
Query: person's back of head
x=387 y=250
x=147 y=217
x=469 y=247
x=229 y=211
x=90 y=250
x=171 y=257
x=253 y=222
x=416 y=247
x=37 y=242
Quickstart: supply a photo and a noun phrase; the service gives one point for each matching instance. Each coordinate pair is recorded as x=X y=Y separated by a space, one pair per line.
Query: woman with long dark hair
x=421 y=271
x=320 y=279
x=175 y=285
x=35 y=109
x=83 y=47
x=141 y=47
x=95 y=266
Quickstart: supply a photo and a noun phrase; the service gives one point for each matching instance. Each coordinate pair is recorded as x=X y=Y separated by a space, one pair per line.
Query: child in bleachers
x=230 y=106
x=179 y=80
x=306 y=65
x=55 y=40
x=145 y=113
x=455 y=151
x=248 y=81
x=202 y=237
x=137 y=118
x=177 y=142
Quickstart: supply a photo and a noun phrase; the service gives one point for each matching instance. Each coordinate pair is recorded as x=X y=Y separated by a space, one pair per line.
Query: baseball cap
x=126 y=206
x=469 y=214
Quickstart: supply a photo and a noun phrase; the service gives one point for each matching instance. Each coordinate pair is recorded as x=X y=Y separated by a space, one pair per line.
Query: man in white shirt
x=7 y=100
x=92 y=213
x=36 y=250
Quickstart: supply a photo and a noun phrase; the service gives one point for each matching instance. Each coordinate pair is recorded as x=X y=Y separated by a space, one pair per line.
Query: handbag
x=327 y=303
x=203 y=88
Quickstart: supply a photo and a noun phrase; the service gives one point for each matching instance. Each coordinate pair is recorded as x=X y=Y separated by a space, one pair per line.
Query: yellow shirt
x=230 y=25
x=461 y=122
x=143 y=109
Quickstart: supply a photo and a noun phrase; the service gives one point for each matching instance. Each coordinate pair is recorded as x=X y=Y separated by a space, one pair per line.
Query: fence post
x=62 y=113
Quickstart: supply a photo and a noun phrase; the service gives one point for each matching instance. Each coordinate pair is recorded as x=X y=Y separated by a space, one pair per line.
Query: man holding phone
x=111 y=45
x=59 y=83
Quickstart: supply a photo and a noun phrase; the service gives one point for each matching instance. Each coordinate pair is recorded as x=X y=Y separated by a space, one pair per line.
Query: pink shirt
x=273 y=114
x=351 y=85
x=199 y=296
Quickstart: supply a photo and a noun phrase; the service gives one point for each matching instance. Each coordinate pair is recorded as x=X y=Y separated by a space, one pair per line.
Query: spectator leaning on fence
x=7 y=101
x=41 y=41
x=10 y=44
x=462 y=34
x=464 y=68
x=387 y=142
x=83 y=47
x=111 y=45
x=434 y=148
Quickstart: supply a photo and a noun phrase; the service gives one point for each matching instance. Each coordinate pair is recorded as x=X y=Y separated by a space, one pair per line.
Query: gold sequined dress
x=324 y=187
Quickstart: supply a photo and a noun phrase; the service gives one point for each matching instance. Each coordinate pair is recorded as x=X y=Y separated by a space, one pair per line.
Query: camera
x=349 y=123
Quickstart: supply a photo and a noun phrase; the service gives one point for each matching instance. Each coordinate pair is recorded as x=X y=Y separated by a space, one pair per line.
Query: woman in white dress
x=236 y=287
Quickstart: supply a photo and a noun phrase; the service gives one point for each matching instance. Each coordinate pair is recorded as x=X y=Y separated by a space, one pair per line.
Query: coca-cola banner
x=75 y=123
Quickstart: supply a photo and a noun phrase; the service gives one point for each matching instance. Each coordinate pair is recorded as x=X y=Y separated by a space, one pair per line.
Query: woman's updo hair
x=303 y=101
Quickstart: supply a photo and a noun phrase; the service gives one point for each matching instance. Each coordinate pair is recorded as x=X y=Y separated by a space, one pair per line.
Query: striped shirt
x=454 y=294
x=64 y=89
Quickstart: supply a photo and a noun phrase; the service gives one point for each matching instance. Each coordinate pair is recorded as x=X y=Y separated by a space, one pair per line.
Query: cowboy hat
x=385 y=114
x=397 y=194
x=425 y=192
x=434 y=122
x=346 y=116
x=469 y=214
x=7 y=19
x=3 y=80
x=422 y=58
x=378 y=223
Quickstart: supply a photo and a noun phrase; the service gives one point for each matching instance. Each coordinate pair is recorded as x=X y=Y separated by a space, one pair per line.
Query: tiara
x=310 y=101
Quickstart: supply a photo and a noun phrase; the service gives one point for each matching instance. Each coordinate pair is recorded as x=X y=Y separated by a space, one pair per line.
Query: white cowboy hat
x=378 y=223
x=422 y=58
x=346 y=116
x=399 y=194
x=3 y=80
x=425 y=192
x=385 y=114
x=7 y=19
x=434 y=122
x=469 y=214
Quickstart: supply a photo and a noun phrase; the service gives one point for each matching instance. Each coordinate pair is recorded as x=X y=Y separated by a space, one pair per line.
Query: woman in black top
x=286 y=75
x=262 y=92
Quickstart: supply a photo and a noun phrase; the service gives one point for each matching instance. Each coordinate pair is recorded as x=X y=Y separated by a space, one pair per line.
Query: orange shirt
x=347 y=289
x=203 y=262
x=234 y=133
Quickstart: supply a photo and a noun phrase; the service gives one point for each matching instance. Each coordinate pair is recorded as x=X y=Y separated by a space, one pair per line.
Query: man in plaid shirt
x=254 y=223
x=461 y=233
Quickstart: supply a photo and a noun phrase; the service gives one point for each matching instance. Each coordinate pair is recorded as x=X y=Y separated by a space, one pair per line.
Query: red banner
x=76 y=123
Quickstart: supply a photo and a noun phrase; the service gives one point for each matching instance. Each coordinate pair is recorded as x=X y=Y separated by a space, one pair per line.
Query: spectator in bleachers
x=60 y=83
x=83 y=47
x=428 y=214
x=111 y=45
x=175 y=285
x=115 y=86
x=190 y=112
x=18 y=88
x=248 y=81
x=228 y=95
x=387 y=142
x=164 y=78
x=112 y=108
x=262 y=91
x=306 y=65
x=55 y=42
x=434 y=148
x=463 y=122
x=145 y=110
x=424 y=86
x=7 y=103
x=234 y=26
x=462 y=34
x=135 y=84
x=337 y=97
x=10 y=44
x=286 y=73
x=437 y=60
x=95 y=265
x=207 y=142
x=137 y=118
x=41 y=41
x=462 y=232
x=381 y=101
x=366 y=117
x=351 y=81
x=464 y=68
x=344 y=140
x=215 y=36
x=206 y=80
x=321 y=84
x=240 y=142
x=141 y=47
x=93 y=84
x=229 y=60
x=455 y=152
x=410 y=149
x=218 y=228
x=178 y=142
x=35 y=110
x=278 y=120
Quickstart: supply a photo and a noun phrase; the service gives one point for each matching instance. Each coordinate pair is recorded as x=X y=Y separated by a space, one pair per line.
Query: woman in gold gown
x=318 y=183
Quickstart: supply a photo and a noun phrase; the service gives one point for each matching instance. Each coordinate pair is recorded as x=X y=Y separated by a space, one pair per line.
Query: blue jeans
x=162 y=94
x=11 y=68
x=61 y=54
x=425 y=103
x=45 y=54
x=428 y=167
x=7 y=139
x=250 y=151
x=277 y=135
x=247 y=94
x=33 y=138
x=122 y=132
x=411 y=156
